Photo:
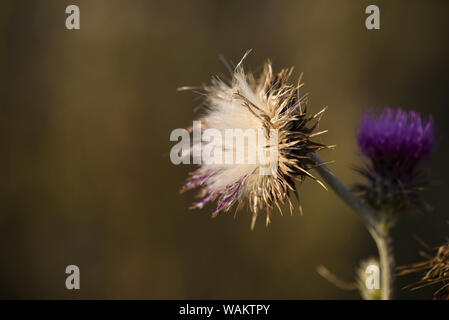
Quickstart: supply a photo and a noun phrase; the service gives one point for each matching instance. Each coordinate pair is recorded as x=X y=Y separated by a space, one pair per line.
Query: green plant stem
x=387 y=263
x=375 y=226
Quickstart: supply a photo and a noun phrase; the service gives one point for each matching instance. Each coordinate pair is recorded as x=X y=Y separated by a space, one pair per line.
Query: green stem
x=387 y=264
x=370 y=218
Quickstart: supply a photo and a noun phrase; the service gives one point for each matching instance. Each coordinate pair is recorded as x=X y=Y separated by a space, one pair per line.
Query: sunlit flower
x=270 y=104
x=395 y=141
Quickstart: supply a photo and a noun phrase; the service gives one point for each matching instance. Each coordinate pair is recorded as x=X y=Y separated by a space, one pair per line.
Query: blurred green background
x=85 y=119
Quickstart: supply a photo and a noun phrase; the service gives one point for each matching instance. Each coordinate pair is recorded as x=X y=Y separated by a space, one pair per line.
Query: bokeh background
x=85 y=119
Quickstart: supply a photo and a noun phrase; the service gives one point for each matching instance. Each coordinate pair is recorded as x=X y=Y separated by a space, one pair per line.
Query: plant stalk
x=370 y=218
x=387 y=264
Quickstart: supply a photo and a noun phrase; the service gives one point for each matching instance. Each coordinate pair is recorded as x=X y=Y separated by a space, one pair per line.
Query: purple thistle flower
x=395 y=141
x=396 y=136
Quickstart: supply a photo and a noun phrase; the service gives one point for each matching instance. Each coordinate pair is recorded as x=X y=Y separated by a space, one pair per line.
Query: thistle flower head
x=436 y=271
x=395 y=141
x=267 y=104
x=396 y=136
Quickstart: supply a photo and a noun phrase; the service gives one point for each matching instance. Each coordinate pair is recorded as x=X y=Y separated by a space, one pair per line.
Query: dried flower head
x=395 y=141
x=436 y=270
x=265 y=103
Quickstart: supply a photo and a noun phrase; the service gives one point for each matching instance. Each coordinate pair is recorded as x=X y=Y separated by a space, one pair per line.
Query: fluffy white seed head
x=270 y=108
